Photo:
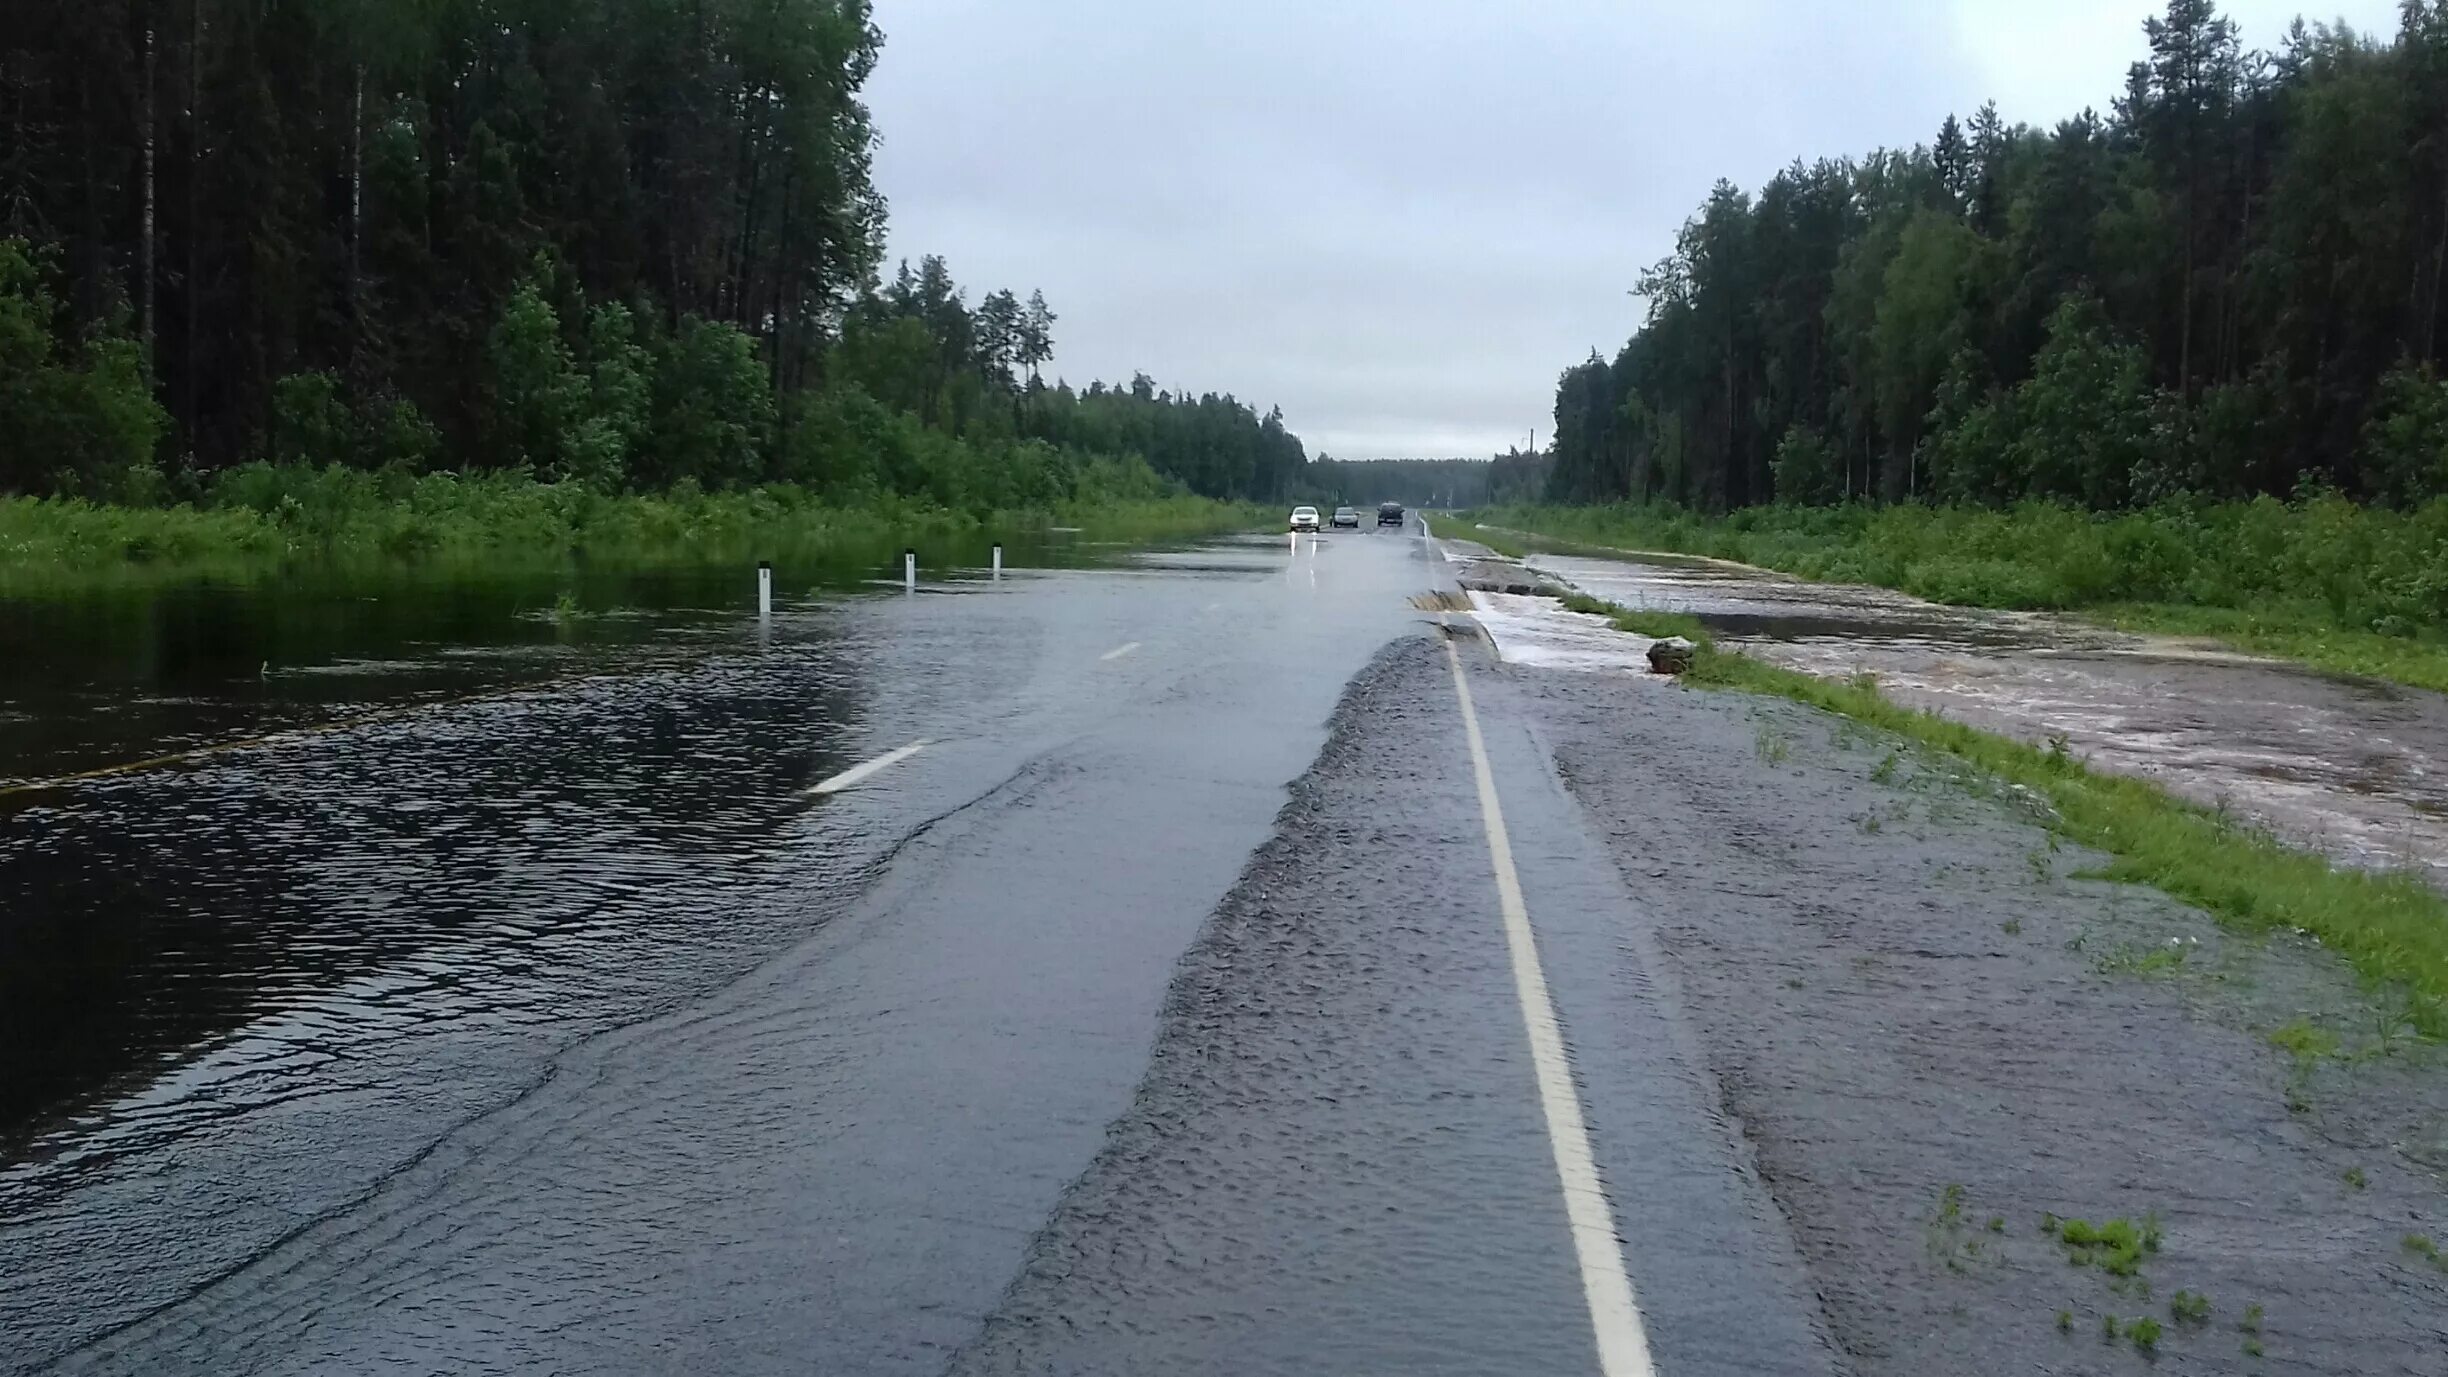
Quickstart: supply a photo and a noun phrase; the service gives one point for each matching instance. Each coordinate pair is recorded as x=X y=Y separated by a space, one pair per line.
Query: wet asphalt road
x=701 y=1074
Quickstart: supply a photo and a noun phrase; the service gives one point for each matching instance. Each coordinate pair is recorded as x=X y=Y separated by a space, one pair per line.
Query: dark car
x=1389 y=514
x=1345 y=516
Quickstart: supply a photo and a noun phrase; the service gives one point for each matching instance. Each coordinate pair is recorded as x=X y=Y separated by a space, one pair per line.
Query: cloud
x=1400 y=219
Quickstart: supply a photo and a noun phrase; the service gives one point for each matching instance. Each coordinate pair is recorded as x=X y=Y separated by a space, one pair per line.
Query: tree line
x=622 y=242
x=1512 y=477
x=2228 y=285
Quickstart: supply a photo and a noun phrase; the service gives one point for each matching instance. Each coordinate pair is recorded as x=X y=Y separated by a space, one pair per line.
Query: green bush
x=713 y=407
x=1806 y=469
x=74 y=419
x=2405 y=445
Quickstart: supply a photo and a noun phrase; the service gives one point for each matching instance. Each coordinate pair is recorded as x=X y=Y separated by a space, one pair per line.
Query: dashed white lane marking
x=1119 y=651
x=872 y=768
x=1623 y=1347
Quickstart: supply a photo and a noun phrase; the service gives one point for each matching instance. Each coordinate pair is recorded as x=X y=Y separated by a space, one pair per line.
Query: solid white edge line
x=1623 y=1346
x=872 y=768
x=1119 y=651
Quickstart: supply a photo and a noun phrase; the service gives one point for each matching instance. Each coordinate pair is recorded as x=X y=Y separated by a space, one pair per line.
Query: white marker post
x=909 y=571
x=764 y=590
x=998 y=561
x=1296 y=545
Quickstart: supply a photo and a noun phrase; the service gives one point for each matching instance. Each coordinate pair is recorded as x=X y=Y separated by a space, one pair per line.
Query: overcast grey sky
x=1400 y=219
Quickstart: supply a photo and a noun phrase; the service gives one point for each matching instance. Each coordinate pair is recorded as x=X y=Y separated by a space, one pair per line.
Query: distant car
x=1389 y=514
x=1304 y=519
x=1345 y=516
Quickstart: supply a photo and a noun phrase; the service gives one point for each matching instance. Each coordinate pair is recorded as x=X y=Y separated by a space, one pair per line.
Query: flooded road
x=1188 y=963
x=538 y=924
x=2353 y=767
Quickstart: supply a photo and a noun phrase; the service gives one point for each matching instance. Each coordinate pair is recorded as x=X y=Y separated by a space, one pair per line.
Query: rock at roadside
x=1671 y=656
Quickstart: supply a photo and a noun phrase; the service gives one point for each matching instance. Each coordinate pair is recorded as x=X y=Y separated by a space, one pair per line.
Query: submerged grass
x=2392 y=928
x=1655 y=625
x=2343 y=588
x=267 y=522
x=2303 y=634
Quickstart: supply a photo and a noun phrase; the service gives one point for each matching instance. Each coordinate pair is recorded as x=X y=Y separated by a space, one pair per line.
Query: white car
x=1304 y=519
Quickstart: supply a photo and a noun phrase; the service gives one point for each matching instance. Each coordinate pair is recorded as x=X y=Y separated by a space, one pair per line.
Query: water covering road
x=2350 y=766
x=549 y=1017
x=553 y=1024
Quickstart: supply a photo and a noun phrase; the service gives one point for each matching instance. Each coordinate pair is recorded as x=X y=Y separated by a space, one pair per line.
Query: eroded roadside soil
x=1937 y=1037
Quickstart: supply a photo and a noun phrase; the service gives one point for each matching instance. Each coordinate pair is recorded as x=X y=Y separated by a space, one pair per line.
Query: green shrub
x=2405 y=444
x=74 y=419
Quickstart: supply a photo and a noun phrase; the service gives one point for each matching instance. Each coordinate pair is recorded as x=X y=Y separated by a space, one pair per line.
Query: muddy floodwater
x=2353 y=767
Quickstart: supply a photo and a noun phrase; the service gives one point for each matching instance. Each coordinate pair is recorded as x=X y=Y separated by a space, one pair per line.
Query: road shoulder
x=1337 y=1161
x=1937 y=1039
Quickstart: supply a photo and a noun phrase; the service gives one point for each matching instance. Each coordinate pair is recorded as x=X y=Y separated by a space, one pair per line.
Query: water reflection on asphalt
x=414 y=862
x=2349 y=766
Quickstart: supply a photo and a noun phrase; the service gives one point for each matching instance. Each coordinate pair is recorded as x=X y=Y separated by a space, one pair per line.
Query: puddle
x=2347 y=766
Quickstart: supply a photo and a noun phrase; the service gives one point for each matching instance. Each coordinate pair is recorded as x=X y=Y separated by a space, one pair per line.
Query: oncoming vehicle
x=1304 y=519
x=1389 y=514
x=1346 y=516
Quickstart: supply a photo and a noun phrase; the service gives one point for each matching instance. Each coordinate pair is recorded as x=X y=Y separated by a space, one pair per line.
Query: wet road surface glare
x=743 y=1000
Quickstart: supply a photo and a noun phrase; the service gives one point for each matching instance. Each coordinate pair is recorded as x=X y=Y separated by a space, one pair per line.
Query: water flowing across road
x=476 y=985
x=2355 y=768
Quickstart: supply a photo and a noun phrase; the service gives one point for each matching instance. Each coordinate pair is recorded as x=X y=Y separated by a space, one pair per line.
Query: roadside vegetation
x=603 y=281
x=2349 y=588
x=262 y=522
x=2181 y=365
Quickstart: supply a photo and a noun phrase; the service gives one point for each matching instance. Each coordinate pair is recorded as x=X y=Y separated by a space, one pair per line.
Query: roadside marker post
x=998 y=561
x=764 y=590
x=909 y=571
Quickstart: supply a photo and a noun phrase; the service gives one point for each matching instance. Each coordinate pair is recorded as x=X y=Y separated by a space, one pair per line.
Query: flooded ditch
x=2351 y=767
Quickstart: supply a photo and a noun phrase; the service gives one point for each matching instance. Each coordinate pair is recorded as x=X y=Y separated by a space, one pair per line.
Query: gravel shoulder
x=1936 y=1037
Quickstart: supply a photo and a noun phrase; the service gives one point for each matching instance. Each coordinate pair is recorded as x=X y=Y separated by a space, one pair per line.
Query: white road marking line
x=872 y=768
x=1623 y=1347
x=1119 y=651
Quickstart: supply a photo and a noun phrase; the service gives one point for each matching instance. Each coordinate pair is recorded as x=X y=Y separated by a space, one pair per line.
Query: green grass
x=2302 y=634
x=2392 y=928
x=2116 y=1247
x=2142 y=960
x=1655 y=625
x=262 y=523
x=2189 y=1307
x=2421 y=1246
x=2343 y=588
x=1502 y=542
x=2304 y=1041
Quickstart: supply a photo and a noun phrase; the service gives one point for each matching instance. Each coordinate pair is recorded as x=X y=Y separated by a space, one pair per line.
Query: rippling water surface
x=2356 y=767
x=392 y=853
